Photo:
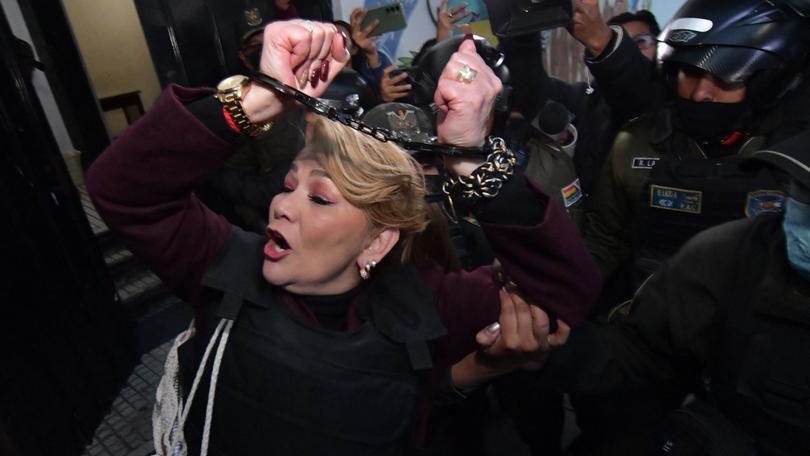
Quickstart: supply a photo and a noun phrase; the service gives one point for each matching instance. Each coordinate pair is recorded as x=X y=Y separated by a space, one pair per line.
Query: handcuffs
x=348 y=118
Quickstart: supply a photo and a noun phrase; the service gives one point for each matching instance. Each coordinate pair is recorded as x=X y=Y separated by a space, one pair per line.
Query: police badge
x=253 y=17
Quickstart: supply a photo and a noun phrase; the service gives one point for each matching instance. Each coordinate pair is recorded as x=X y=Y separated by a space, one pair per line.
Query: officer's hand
x=301 y=54
x=589 y=28
x=391 y=88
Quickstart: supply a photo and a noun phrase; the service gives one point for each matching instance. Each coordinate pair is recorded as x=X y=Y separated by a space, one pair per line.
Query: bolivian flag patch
x=571 y=193
x=762 y=201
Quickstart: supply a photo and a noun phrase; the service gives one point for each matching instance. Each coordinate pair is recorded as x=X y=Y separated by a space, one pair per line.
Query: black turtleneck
x=331 y=311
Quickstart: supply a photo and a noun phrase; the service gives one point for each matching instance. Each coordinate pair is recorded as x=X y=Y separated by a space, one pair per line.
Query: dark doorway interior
x=193 y=42
x=65 y=346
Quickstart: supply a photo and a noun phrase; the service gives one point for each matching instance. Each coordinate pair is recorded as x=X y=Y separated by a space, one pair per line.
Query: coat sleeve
x=142 y=187
x=607 y=223
x=627 y=80
x=665 y=334
x=538 y=247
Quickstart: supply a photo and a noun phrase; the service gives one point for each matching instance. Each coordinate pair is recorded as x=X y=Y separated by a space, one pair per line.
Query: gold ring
x=466 y=74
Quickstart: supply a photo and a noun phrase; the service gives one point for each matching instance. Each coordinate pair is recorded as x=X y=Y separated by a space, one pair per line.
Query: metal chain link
x=488 y=179
x=346 y=118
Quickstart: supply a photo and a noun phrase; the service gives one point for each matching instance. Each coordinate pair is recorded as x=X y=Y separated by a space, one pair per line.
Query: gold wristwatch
x=230 y=92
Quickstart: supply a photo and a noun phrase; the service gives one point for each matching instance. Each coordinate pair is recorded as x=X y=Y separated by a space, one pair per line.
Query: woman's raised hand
x=299 y=53
x=465 y=96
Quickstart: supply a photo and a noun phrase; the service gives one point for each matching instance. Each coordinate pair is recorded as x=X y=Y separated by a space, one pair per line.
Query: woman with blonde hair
x=323 y=337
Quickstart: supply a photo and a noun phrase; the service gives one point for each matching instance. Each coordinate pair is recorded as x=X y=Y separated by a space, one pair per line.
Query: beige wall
x=112 y=43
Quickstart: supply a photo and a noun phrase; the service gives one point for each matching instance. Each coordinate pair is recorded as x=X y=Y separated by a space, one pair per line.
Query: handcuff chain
x=348 y=119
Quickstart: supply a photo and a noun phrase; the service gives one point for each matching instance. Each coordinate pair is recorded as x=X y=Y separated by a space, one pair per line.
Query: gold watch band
x=230 y=93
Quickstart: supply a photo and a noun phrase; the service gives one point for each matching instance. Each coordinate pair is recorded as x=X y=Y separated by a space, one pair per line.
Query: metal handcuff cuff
x=484 y=182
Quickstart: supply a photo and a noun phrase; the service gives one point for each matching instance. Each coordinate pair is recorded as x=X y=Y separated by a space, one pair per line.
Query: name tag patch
x=676 y=199
x=571 y=193
x=644 y=162
x=762 y=201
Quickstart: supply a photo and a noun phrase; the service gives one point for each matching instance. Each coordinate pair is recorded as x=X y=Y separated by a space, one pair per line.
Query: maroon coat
x=142 y=186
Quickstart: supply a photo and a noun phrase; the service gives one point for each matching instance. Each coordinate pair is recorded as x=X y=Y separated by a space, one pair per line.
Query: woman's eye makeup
x=317 y=199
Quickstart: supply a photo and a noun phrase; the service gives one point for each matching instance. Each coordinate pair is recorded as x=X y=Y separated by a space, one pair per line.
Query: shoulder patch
x=762 y=201
x=644 y=162
x=676 y=199
x=572 y=193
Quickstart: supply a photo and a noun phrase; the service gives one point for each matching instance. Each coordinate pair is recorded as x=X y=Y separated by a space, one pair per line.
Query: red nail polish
x=314 y=77
x=325 y=70
x=468 y=36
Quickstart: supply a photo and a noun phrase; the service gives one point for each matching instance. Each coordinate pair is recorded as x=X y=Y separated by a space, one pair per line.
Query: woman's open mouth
x=277 y=247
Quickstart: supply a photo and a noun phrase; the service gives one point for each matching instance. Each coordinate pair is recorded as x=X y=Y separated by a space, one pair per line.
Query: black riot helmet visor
x=736 y=40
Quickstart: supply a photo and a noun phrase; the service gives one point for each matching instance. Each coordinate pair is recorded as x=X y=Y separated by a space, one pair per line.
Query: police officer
x=674 y=172
x=733 y=305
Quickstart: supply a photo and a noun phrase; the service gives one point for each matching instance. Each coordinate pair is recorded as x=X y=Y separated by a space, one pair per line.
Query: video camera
x=521 y=17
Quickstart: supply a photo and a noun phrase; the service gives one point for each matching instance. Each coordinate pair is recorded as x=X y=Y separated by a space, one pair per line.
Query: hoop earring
x=365 y=272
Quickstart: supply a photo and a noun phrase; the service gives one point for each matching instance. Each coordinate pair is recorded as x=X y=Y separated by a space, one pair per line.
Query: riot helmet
x=761 y=43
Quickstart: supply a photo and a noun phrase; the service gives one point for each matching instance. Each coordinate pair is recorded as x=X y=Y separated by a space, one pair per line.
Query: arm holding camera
x=589 y=28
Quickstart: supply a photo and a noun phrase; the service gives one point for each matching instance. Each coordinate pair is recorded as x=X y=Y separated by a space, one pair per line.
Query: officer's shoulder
x=636 y=133
x=735 y=237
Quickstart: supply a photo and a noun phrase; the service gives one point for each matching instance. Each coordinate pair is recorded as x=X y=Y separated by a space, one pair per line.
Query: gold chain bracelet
x=487 y=180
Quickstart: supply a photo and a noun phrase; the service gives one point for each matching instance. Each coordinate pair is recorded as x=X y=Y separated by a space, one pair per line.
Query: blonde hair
x=376 y=177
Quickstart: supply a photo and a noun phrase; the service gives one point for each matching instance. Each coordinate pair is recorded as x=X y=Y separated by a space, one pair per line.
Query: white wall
x=113 y=46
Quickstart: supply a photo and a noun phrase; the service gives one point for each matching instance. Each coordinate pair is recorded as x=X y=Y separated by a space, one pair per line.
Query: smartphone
x=391 y=17
x=477 y=8
x=398 y=71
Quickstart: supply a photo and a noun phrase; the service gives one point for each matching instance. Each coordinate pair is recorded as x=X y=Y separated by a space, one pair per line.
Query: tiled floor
x=98 y=225
x=127 y=429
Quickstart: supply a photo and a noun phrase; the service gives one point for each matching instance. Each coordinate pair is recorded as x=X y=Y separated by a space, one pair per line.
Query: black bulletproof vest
x=761 y=377
x=682 y=197
x=286 y=388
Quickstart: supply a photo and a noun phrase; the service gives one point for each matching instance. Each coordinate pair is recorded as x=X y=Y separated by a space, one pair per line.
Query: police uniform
x=727 y=306
x=658 y=188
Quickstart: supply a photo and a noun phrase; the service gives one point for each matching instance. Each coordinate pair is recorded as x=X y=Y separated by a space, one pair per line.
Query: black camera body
x=522 y=17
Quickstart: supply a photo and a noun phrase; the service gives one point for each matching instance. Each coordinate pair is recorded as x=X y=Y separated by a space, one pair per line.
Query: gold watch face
x=232 y=83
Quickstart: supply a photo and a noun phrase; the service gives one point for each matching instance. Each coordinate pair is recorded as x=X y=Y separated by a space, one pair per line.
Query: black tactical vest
x=682 y=197
x=761 y=374
x=286 y=388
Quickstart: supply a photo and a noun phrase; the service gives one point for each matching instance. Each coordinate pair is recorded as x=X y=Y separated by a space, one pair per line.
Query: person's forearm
x=626 y=79
x=142 y=186
x=373 y=59
x=547 y=259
